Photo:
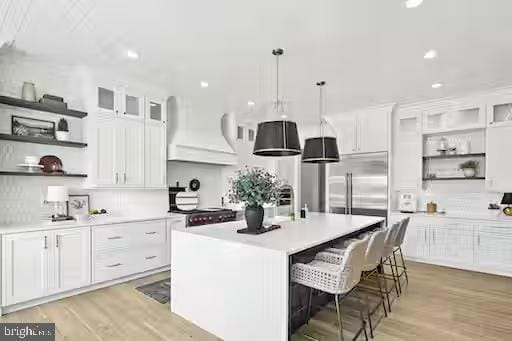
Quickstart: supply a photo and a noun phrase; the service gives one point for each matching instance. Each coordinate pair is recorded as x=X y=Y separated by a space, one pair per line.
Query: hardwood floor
x=440 y=304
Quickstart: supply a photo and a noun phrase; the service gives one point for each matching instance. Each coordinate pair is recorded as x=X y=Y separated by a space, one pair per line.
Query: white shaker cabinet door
x=451 y=243
x=26 y=270
x=156 y=161
x=493 y=247
x=499 y=162
x=133 y=174
x=105 y=167
x=346 y=129
x=372 y=132
x=72 y=258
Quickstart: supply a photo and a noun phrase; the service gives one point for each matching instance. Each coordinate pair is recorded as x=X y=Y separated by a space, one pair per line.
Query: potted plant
x=254 y=187
x=62 y=133
x=469 y=168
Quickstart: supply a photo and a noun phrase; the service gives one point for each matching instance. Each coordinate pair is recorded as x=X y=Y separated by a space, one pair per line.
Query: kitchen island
x=237 y=286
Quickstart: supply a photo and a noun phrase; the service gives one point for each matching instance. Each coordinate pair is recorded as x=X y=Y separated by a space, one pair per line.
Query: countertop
x=491 y=215
x=93 y=221
x=293 y=236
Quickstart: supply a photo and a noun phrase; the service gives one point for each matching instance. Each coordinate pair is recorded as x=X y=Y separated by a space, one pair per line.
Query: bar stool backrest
x=352 y=265
x=374 y=250
x=389 y=242
x=403 y=229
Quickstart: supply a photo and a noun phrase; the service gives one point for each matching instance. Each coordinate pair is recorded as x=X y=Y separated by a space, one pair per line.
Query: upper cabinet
x=459 y=116
x=155 y=172
x=118 y=101
x=155 y=110
x=364 y=131
x=499 y=110
x=498 y=164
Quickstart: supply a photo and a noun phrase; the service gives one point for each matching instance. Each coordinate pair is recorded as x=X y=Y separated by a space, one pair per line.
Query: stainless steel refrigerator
x=357 y=185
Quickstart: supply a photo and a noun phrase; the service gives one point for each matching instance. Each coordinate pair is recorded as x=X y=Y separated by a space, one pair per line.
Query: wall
x=22 y=198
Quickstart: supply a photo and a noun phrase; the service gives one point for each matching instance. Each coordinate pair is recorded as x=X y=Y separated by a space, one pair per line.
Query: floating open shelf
x=455 y=178
x=42 y=140
x=22 y=173
x=17 y=102
x=453 y=156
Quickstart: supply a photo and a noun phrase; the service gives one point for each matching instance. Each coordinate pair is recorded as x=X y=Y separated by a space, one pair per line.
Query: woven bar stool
x=371 y=265
x=336 y=279
x=389 y=245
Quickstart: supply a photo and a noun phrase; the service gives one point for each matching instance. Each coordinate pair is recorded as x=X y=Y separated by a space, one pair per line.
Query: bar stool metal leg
x=403 y=263
x=338 y=313
x=397 y=273
x=309 y=305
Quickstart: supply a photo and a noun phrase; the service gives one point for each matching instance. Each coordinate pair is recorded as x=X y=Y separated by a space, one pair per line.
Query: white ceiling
x=368 y=51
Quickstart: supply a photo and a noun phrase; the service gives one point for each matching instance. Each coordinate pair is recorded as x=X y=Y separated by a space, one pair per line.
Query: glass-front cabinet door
x=155 y=110
x=499 y=110
x=106 y=100
x=133 y=106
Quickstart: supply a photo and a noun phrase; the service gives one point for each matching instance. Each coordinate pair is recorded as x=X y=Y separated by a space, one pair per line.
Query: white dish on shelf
x=30 y=166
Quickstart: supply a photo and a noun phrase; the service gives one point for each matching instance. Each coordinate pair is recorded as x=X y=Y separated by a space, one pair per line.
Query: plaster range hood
x=186 y=143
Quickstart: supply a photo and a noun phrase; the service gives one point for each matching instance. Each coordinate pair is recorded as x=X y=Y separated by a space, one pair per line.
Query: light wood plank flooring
x=440 y=304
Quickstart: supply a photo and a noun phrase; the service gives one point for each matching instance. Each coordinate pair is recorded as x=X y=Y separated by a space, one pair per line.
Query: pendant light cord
x=277 y=53
x=320 y=107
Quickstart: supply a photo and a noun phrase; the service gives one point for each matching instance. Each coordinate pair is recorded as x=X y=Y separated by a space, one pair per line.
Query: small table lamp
x=507 y=200
x=59 y=196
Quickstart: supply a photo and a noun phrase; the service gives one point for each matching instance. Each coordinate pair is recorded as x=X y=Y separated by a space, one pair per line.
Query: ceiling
x=368 y=51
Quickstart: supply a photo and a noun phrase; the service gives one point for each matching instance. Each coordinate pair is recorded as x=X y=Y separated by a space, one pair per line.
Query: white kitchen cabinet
x=362 y=132
x=458 y=116
x=452 y=242
x=499 y=110
x=155 y=172
x=72 y=258
x=105 y=153
x=119 y=101
x=172 y=223
x=155 y=110
x=372 y=132
x=26 y=263
x=37 y=264
x=133 y=148
x=133 y=104
x=498 y=164
x=416 y=240
x=407 y=153
x=493 y=247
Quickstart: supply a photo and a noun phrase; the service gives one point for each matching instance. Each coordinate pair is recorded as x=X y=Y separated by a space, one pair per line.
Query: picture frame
x=32 y=127
x=78 y=204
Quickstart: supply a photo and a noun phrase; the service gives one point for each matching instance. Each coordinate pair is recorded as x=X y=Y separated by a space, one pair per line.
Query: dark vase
x=254 y=217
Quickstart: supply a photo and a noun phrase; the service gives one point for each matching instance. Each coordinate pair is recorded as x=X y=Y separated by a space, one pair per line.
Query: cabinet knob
x=45 y=242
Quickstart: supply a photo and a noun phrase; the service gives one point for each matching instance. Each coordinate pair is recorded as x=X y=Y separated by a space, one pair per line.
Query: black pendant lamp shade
x=322 y=149
x=277 y=138
x=280 y=137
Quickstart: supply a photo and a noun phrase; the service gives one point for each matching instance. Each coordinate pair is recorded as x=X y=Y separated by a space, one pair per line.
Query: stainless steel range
x=199 y=217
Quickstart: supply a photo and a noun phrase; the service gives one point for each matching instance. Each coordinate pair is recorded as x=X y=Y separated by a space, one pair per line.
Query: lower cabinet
x=469 y=244
x=173 y=223
x=38 y=264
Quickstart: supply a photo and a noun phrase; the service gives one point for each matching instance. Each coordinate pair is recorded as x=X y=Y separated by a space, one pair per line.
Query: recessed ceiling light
x=204 y=84
x=412 y=3
x=437 y=85
x=284 y=117
x=132 y=54
x=251 y=103
x=430 y=54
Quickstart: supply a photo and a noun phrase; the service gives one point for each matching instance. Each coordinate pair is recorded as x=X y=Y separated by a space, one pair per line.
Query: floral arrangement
x=471 y=164
x=254 y=187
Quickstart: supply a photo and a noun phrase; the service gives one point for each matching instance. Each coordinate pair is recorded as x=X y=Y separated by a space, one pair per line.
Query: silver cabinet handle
x=114 y=265
x=57 y=237
x=478 y=240
x=425 y=235
x=45 y=242
x=152 y=232
x=115 y=237
x=124 y=175
x=150 y=257
x=117 y=178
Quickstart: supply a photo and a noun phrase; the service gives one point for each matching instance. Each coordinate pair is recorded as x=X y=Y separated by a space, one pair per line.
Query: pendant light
x=279 y=137
x=323 y=149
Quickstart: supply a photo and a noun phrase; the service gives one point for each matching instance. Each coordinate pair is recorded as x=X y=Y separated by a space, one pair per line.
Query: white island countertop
x=293 y=236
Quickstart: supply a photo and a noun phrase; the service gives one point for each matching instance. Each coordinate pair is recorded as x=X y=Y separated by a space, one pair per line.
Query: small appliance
x=407 y=202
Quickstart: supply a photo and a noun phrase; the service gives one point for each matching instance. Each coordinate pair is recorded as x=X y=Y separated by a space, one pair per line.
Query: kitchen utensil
x=51 y=164
x=28 y=92
x=431 y=207
x=194 y=185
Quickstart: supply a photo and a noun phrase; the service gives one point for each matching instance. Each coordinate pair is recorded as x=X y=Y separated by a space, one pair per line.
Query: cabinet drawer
x=113 y=265
x=150 y=233
x=151 y=258
x=112 y=237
